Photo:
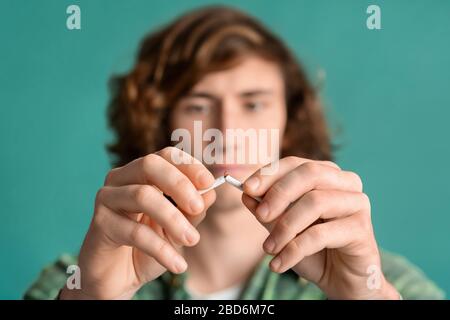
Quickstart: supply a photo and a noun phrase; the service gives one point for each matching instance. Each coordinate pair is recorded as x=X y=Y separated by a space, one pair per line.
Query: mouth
x=232 y=169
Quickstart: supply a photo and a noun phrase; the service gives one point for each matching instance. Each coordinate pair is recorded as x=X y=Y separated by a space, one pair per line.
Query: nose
x=228 y=116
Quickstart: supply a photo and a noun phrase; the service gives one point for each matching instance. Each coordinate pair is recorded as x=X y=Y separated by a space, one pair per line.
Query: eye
x=196 y=109
x=254 y=106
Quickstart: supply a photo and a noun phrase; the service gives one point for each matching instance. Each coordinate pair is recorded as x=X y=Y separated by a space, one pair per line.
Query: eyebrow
x=253 y=93
x=244 y=94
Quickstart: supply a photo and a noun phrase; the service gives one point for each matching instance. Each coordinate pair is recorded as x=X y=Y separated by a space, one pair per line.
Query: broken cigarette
x=219 y=181
x=230 y=180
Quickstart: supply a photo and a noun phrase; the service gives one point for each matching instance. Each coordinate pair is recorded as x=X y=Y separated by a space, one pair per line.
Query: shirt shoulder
x=409 y=280
x=51 y=279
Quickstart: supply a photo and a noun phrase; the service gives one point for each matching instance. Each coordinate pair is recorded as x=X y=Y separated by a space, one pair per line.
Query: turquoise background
x=387 y=94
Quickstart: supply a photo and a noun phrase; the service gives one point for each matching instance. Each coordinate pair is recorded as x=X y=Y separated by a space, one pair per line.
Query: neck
x=229 y=249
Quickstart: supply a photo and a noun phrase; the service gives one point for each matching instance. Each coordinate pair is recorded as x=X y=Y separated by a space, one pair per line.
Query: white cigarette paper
x=219 y=181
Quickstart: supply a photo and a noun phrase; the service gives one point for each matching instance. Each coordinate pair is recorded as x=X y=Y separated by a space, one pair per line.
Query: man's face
x=248 y=96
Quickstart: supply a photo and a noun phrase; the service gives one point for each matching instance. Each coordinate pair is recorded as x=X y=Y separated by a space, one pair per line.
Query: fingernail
x=191 y=235
x=276 y=263
x=196 y=205
x=269 y=245
x=180 y=264
x=263 y=210
x=204 y=179
x=252 y=183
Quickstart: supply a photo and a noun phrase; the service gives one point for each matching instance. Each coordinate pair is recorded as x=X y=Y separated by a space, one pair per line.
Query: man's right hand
x=136 y=233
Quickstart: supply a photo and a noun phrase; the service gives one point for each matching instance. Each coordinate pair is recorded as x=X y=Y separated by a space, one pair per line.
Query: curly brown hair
x=173 y=59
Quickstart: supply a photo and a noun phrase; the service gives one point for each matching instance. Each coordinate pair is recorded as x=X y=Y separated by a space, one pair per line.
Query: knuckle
x=292 y=160
x=312 y=168
x=357 y=180
x=278 y=190
x=149 y=161
x=284 y=226
x=110 y=176
x=99 y=217
x=364 y=222
x=137 y=233
x=142 y=194
x=366 y=202
x=180 y=182
x=176 y=219
x=293 y=247
x=163 y=248
x=100 y=196
x=313 y=199
x=331 y=164
x=316 y=232
x=167 y=151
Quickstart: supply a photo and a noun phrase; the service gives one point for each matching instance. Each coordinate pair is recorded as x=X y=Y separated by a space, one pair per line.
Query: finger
x=123 y=231
x=314 y=205
x=339 y=233
x=209 y=198
x=258 y=183
x=155 y=170
x=135 y=172
x=249 y=202
x=300 y=180
x=251 y=205
x=191 y=167
x=148 y=200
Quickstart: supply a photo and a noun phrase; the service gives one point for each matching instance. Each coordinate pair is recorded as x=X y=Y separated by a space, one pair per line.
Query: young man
x=310 y=237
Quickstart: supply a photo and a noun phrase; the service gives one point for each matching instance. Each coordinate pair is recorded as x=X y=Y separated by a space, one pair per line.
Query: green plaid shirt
x=264 y=284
